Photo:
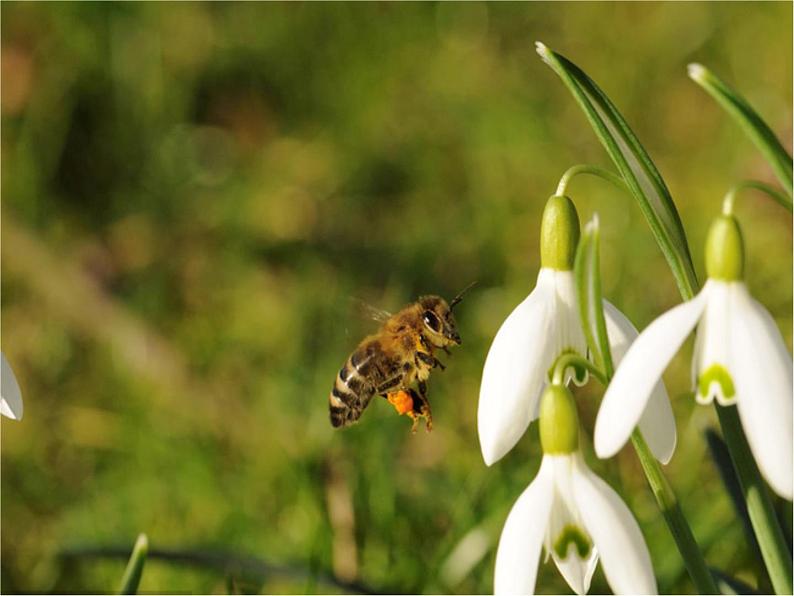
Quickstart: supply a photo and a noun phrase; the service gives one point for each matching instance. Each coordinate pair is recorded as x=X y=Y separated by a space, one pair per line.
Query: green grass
x=193 y=193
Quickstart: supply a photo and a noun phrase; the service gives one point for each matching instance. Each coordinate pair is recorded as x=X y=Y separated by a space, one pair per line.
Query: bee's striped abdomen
x=352 y=391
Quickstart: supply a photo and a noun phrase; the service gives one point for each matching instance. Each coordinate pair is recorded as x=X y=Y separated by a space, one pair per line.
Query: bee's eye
x=431 y=320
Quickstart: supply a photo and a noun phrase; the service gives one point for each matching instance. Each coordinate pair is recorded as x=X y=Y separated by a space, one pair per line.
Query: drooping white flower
x=574 y=515
x=544 y=326
x=739 y=358
x=10 y=395
x=540 y=329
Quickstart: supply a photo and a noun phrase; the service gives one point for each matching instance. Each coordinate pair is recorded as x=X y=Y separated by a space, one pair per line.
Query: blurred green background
x=191 y=195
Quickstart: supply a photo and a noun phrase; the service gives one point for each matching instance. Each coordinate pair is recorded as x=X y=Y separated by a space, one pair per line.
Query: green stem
x=759 y=505
x=671 y=510
x=773 y=193
x=574 y=171
x=571 y=359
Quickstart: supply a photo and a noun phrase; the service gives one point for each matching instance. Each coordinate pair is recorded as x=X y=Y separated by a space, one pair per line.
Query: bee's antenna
x=459 y=297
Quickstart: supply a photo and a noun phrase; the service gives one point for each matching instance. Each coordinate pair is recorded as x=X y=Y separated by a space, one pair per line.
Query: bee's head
x=440 y=326
x=439 y=322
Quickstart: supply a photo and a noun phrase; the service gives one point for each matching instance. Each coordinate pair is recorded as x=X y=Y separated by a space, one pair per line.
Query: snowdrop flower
x=573 y=514
x=739 y=359
x=10 y=395
x=544 y=326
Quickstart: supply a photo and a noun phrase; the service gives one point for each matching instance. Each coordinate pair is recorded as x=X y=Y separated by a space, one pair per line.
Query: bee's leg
x=446 y=350
x=422 y=405
x=439 y=364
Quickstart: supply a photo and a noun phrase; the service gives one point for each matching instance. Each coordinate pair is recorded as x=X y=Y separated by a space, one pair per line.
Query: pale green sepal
x=716 y=374
x=559 y=421
x=559 y=234
x=572 y=535
x=725 y=250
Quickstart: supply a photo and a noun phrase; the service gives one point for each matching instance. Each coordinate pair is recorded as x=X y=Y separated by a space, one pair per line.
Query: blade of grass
x=633 y=163
x=134 y=570
x=591 y=308
x=749 y=120
x=249 y=568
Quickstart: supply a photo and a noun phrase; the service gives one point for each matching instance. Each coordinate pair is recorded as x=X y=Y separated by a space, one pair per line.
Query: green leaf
x=749 y=120
x=134 y=570
x=634 y=164
x=587 y=271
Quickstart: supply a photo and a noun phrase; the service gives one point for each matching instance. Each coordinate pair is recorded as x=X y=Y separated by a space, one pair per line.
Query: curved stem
x=574 y=171
x=770 y=191
x=567 y=360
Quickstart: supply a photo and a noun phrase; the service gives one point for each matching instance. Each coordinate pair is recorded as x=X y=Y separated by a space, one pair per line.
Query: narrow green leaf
x=134 y=570
x=634 y=164
x=749 y=120
x=587 y=271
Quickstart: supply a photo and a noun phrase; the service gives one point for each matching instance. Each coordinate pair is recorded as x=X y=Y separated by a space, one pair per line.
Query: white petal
x=761 y=369
x=519 y=549
x=514 y=373
x=566 y=514
x=639 y=372
x=10 y=395
x=624 y=554
x=567 y=323
x=657 y=422
x=712 y=344
x=577 y=573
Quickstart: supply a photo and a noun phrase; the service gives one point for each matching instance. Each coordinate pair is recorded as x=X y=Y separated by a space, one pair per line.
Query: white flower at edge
x=739 y=358
x=10 y=395
x=540 y=329
x=575 y=516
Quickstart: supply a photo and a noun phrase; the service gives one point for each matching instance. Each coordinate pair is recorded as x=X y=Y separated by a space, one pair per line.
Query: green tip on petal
x=572 y=535
x=725 y=250
x=559 y=421
x=559 y=234
x=716 y=374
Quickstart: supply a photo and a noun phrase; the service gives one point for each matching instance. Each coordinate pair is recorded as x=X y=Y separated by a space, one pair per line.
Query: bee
x=389 y=362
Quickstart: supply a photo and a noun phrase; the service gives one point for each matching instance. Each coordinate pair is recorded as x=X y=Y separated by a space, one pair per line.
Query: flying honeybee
x=390 y=361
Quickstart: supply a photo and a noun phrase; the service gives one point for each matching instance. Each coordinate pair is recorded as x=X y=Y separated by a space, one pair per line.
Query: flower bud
x=559 y=234
x=559 y=421
x=725 y=250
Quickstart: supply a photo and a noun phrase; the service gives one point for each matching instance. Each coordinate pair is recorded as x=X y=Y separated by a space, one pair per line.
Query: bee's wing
x=367 y=311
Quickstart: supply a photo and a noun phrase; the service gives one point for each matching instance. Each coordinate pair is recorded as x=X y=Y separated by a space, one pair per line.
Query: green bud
x=559 y=421
x=725 y=250
x=559 y=234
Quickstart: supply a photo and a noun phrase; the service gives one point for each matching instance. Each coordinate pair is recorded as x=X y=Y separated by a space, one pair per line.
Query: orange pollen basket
x=401 y=401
